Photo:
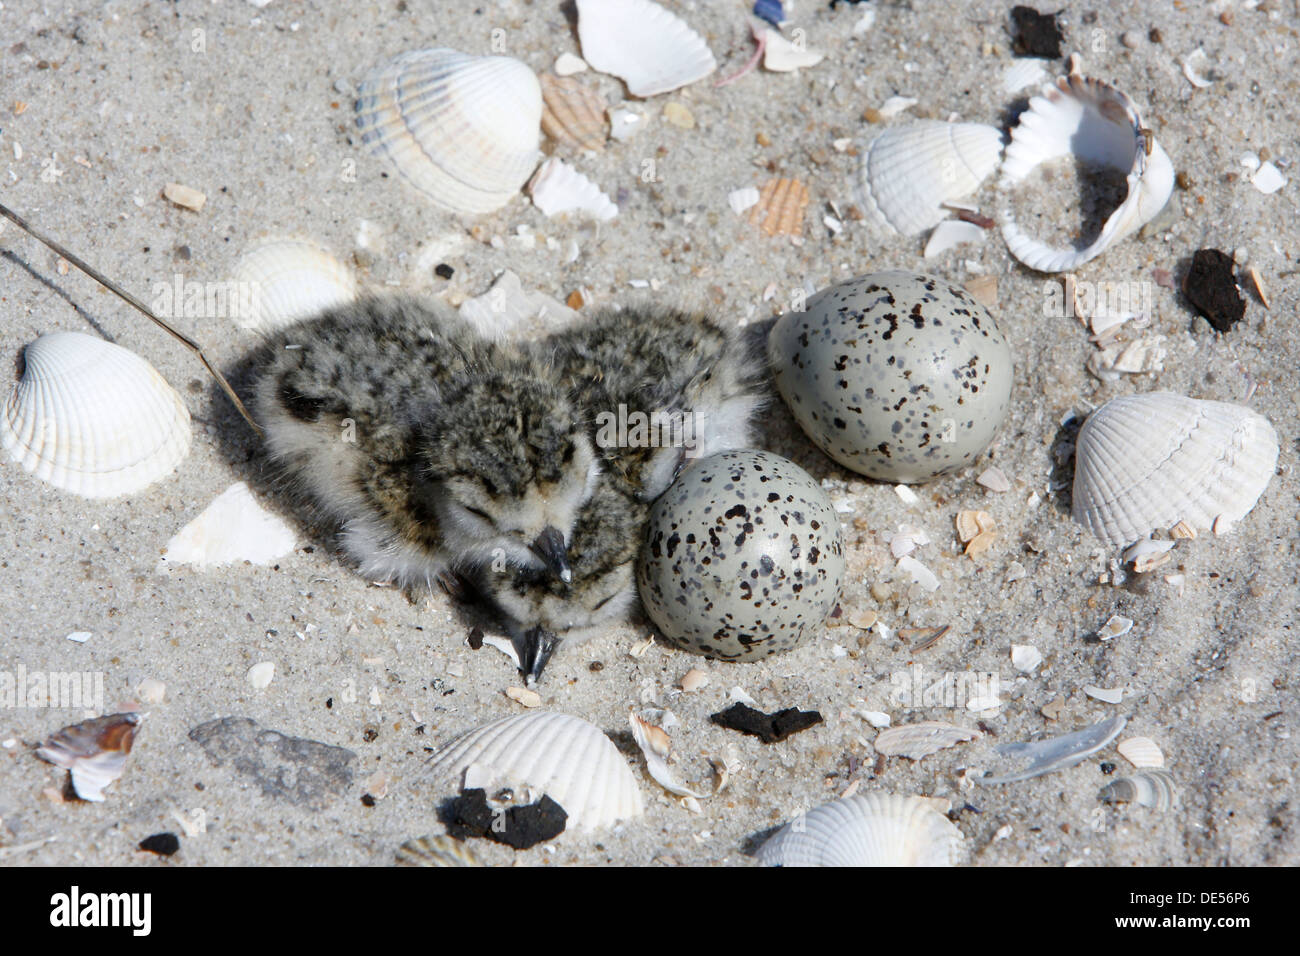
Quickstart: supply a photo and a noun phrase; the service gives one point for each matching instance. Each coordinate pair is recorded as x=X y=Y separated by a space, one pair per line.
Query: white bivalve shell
x=1145 y=462
x=462 y=129
x=645 y=46
x=564 y=757
x=93 y=418
x=558 y=188
x=288 y=280
x=910 y=171
x=1094 y=122
x=873 y=829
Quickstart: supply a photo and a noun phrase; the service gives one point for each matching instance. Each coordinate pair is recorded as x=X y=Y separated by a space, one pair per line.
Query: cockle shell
x=559 y=188
x=93 y=418
x=573 y=114
x=1095 y=122
x=462 y=129
x=1141 y=752
x=780 y=207
x=910 y=171
x=289 y=280
x=1144 y=462
x=648 y=48
x=872 y=829
x=564 y=757
x=1150 y=788
x=437 y=851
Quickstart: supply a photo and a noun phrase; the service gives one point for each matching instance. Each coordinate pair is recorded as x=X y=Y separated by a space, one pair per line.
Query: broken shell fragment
x=232 y=529
x=94 y=751
x=564 y=757
x=1057 y=753
x=1145 y=462
x=1092 y=122
x=640 y=42
x=558 y=188
x=1141 y=752
x=915 y=741
x=285 y=280
x=461 y=129
x=93 y=418
x=780 y=207
x=573 y=114
x=910 y=171
x=1150 y=788
x=871 y=829
x=656 y=747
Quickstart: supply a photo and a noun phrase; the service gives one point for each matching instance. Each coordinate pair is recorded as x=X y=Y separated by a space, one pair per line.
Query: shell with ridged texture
x=873 y=829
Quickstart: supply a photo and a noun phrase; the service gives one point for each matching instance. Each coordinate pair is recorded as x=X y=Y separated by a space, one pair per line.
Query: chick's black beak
x=550 y=547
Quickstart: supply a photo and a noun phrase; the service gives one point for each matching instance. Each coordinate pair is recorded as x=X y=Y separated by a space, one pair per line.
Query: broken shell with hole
x=896 y=375
x=743 y=557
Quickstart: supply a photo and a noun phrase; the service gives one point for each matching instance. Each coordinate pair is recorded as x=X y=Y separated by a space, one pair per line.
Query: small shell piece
x=1141 y=752
x=234 y=528
x=564 y=757
x=870 y=829
x=1094 y=122
x=94 y=751
x=285 y=280
x=910 y=171
x=915 y=741
x=559 y=188
x=1145 y=462
x=1150 y=788
x=648 y=48
x=573 y=114
x=1056 y=753
x=780 y=207
x=462 y=129
x=436 y=851
x=93 y=418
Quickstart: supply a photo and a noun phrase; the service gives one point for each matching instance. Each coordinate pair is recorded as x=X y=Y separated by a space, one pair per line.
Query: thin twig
x=131 y=300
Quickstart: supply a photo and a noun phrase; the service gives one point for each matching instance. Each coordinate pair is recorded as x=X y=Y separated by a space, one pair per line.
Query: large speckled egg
x=896 y=375
x=743 y=557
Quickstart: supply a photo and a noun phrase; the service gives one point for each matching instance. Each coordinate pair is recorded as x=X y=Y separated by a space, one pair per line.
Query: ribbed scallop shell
x=648 y=48
x=1144 y=462
x=462 y=129
x=874 y=829
x=573 y=114
x=1150 y=788
x=291 y=279
x=910 y=171
x=558 y=188
x=1093 y=121
x=93 y=418
x=436 y=851
x=564 y=757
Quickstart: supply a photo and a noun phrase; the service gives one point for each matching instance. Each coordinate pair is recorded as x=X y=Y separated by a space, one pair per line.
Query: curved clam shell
x=93 y=418
x=462 y=129
x=290 y=280
x=1150 y=788
x=573 y=114
x=874 y=829
x=1144 y=462
x=564 y=757
x=558 y=188
x=648 y=48
x=910 y=171
x=1092 y=121
x=1141 y=752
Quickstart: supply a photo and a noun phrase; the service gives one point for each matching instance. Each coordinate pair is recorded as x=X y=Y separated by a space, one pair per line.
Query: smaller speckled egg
x=896 y=375
x=743 y=557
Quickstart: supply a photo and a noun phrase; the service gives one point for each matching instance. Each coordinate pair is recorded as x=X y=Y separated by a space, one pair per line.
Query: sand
x=253 y=108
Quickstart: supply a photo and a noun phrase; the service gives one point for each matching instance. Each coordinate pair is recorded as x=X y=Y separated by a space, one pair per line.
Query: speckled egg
x=743 y=557
x=896 y=375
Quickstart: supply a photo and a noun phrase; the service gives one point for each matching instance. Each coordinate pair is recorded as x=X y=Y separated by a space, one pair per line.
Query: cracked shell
x=743 y=557
x=897 y=375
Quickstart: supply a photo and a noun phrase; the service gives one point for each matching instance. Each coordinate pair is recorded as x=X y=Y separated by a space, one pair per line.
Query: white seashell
x=910 y=171
x=285 y=280
x=624 y=124
x=567 y=64
x=234 y=528
x=920 y=573
x=1150 y=788
x=870 y=829
x=656 y=747
x=1268 y=179
x=462 y=129
x=93 y=418
x=1091 y=121
x=1141 y=752
x=782 y=56
x=1025 y=657
x=261 y=674
x=950 y=234
x=1144 y=462
x=1024 y=71
x=506 y=308
x=916 y=741
x=1116 y=626
x=565 y=757
x=648 y=48
x=1107 y=695
x=558 y=188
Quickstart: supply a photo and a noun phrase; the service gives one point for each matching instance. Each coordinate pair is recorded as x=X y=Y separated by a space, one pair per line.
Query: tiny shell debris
x=558 y=188
x=94 y=751
x=950 y=234
x=261 y=674
x=1150 y=788
x=573 y=114
x=1141 y=752
x=780 y=208
x=1211 y=288
x=984 y=289
x=506 y=308
x=994 y=480
x=656 y=747
x=694 y=679
x=741 y=199
x=1147 y=555
x=1107 y=695
x=1057 y=753
x=919 y=740
x=566 y=64
x=677 y=114
x=1258 y=284
x=79 y=637
x=184 y=196
x=234 y=528
x=151 y=691
x=524 y=696
x=920 y=574
x=770 y=728
x=922 y=637
x=1117 y=626
x=1268 y=179
x=782 y=56
x=624 y=124
x=1025 y=657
